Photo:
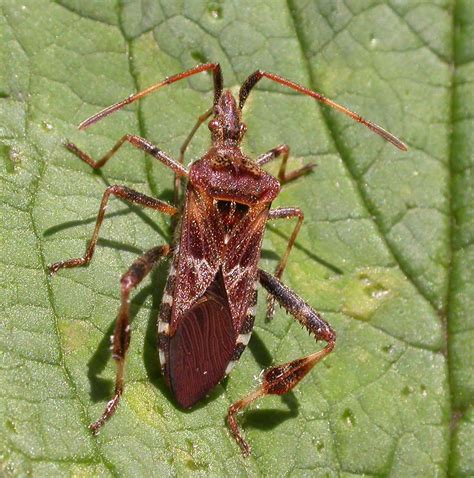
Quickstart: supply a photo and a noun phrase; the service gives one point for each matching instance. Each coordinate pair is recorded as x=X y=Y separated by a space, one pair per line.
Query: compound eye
x=214 y=124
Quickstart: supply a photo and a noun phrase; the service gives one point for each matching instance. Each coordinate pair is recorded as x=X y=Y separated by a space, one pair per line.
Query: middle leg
x=283 y=213
x=121 y=192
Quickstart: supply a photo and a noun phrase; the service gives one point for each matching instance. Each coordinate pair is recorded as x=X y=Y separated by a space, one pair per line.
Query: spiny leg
x=283 y=213
x=121 y=338
x=121 y=192
x=281 y=379
x=138 y=142
x=184 y=147
x=284 y=151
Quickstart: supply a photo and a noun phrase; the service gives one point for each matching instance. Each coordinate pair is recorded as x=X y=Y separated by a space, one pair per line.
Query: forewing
x=241 y=263
x=199 y=254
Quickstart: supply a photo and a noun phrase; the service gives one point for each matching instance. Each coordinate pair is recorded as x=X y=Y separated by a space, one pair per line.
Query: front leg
x=121 y=338
x=177 y=180
x=284 y=151
x=281 y=379
x=139 y=143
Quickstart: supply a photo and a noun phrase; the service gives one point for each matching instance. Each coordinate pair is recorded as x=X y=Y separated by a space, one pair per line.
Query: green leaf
x=386 y=251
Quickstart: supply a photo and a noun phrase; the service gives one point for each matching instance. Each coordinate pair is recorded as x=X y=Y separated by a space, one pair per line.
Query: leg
x=121 y=192
x=121 y=338
x=255 y=77
x=216 y=73
x=281 y=379
x=138 y=142
x=283 y=213
x=199 y=122
x=284 y=151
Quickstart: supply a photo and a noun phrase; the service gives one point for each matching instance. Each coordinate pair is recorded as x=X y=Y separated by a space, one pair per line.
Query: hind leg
x=281 y=379
x=121 y=338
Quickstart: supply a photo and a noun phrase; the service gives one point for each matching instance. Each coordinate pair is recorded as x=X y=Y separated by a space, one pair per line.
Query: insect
x=208 y=307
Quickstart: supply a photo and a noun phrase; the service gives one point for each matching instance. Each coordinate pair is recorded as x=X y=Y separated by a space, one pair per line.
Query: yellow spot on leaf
x=367 y=291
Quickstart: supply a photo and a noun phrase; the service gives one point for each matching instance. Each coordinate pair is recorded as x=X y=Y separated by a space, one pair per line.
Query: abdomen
x=202 y=346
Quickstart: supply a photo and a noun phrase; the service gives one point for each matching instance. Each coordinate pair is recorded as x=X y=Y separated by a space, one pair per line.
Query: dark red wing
x=199 y=254
x=214 y=293
x=241 y=262
x=202 y=346
x=203 y=250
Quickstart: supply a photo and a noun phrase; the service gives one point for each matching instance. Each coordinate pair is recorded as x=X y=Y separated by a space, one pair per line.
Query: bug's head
x=226 y=127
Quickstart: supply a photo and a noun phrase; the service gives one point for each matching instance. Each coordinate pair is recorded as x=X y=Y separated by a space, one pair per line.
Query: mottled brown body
x=208 y=307
x=213 y=289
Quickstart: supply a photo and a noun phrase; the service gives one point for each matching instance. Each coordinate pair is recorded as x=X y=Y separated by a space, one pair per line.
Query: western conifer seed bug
x=208 y=308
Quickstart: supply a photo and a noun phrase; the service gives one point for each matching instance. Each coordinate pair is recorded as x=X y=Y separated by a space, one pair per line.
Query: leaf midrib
x=444 y=315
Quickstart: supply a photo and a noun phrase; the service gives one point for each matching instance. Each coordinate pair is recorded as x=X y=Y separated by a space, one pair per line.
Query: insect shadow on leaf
x=101 y=388
x=268 y=418
x=309 y=253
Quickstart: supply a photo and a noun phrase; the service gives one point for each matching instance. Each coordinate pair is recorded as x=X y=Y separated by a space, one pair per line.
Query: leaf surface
x=385 y=253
